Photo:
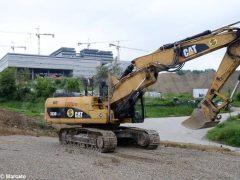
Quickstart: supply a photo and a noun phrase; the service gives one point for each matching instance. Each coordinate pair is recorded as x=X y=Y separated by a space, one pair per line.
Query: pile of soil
x=13 y=123
x=175 y=83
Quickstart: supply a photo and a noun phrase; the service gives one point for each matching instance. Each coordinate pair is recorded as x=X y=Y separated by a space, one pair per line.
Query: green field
x=168 y=111
x=227 y=132
x=30 y=109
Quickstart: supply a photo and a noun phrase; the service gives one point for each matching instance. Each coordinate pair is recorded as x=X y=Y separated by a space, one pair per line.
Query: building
x=104 y=56
x=199 y=93
x=62 y=62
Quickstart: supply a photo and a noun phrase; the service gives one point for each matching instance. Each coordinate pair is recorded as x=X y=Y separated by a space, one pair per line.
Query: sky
x=141 y=24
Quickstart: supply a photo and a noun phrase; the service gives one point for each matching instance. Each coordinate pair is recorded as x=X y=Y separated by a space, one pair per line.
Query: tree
x=103 y=70
x=8 y=84
x=73 y=85
x=44 y=87
x=23 y=75
x=24 y=91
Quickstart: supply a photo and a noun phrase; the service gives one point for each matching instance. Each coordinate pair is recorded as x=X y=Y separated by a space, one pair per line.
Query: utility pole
x=38 y=34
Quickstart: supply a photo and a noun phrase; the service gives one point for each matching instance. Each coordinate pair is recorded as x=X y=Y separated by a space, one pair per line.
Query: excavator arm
x=206 y=115
x=144 y=70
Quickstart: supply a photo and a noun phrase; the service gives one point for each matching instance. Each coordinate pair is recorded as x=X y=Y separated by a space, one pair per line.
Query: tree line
x=16 y=85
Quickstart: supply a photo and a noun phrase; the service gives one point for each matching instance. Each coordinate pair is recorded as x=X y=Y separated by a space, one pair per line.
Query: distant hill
x=185 y=81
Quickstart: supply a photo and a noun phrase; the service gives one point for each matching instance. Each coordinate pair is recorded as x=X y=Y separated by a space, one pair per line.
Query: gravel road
x=170 y=129
x=45 y=158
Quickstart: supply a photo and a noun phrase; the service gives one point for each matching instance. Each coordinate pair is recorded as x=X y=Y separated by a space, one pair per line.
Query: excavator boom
x=206 y=115
x=144 y=70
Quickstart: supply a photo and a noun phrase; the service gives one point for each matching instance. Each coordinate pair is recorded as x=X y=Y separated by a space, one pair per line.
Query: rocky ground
x=45 y=158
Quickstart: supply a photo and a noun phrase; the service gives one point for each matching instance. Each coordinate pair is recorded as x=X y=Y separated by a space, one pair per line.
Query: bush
x=23 y=75
x=73 y=85
x=44 y=87
x=24 y=92
x=227 y=132
x=238 y=96
x=8 y=84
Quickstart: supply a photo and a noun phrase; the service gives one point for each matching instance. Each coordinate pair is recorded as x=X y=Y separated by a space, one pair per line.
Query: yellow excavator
x=96 y=121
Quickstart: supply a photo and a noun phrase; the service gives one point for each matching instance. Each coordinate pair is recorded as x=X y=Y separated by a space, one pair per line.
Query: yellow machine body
x=77 y=110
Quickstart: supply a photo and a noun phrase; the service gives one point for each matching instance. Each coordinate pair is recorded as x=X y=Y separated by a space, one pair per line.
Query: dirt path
x=44 y=158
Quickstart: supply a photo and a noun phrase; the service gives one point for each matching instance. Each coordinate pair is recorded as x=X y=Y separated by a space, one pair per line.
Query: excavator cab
x=132 y=108
x=138 y=111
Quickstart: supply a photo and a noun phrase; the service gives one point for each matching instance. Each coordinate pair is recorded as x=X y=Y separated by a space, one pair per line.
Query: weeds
x=227 y=132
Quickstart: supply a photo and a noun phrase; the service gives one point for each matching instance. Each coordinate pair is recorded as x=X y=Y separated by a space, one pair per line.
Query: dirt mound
x=175 y=83
x=14 y=123
x=200 y=147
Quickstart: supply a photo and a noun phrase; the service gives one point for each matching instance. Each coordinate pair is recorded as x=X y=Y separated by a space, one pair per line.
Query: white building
x=63 y=62
x=153 y=94
x=199 y=93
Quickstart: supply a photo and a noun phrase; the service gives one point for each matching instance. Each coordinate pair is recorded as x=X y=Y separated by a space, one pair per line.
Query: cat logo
x=78 y=114
x=213 y=42
x=188 y=51
x=100 y=115
x=70 y=113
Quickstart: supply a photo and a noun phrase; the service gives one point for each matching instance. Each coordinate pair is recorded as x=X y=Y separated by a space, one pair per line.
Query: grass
x=30 y=109
x=166 y=106
x=236 y=103
x=227 y=132
x=167 y=111
x=33 y=110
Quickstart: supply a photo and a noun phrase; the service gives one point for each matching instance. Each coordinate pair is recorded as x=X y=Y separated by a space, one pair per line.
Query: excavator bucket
x=198 y=120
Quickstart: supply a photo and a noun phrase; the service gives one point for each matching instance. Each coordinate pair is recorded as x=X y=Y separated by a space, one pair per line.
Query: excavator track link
x=102 y=140
x=148 y=139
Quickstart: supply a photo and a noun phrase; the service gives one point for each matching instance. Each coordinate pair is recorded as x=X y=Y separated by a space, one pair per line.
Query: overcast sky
x=142 y=24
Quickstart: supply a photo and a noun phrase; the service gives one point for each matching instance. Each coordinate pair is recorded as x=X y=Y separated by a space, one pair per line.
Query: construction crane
x=13 y=47
x=99 y=42
x=19 y=47
x=38 y=34
x=89 y=43
x=118 y=47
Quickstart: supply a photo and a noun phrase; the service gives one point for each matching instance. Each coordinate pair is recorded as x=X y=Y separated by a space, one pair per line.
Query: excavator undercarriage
x=106 y=140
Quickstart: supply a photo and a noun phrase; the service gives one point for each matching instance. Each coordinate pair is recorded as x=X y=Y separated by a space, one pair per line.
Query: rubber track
x=109 y=140
x=154 y=139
